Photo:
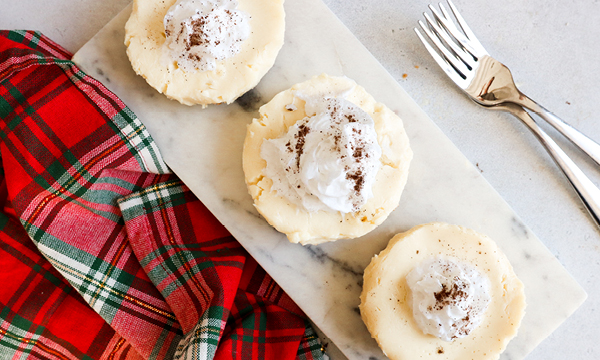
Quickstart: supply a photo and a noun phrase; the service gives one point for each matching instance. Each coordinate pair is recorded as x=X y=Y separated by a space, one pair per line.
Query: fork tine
x=448 y=69
x=450 y=58
x=459 y=52
x=452 y=30
x=444 y=12
x=465 y=28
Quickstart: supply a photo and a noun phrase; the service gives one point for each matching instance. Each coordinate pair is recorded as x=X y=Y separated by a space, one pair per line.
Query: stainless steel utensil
x=490 y=84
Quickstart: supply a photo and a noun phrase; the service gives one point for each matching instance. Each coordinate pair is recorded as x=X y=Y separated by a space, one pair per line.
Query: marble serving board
x=204 y=147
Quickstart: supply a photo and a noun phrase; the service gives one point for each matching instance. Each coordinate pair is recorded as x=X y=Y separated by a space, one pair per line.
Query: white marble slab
x=203 y=146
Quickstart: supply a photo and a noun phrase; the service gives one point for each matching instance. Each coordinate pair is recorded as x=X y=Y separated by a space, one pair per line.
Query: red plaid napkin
x=103 y=253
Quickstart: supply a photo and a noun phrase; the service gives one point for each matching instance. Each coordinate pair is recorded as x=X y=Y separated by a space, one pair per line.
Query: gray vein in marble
x=320 y=255
x=250 y=101
x=519 y=228
x=233 y=204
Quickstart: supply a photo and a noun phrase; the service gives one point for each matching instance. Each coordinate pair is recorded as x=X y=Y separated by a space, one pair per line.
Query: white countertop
x=547 y=48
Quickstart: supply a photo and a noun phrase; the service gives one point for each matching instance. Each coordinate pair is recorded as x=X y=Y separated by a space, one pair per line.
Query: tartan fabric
x=34 y=300
x=104 y=253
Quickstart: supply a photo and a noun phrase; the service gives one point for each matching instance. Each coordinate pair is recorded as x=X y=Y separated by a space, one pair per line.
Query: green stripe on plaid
x=106 y=294
x=140 y=141
x=3 y=218
x=32 y=39
x=17 y=119
x=136 y=136
x=310 y=347
x=22 y=339
x=202 y=341
x=5 y=110
x=16 y=333
x=103 y=285
x=167 y=267
x=169 y=193
x=76 y=185
x=18 y=35
x=171 y=264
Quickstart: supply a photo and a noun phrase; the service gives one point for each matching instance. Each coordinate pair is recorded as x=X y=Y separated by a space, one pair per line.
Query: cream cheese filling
x=385 y=299
x=231 y=77
x=315 y=227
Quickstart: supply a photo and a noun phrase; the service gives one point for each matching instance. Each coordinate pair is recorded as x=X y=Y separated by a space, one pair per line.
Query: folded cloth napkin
x=104 y=254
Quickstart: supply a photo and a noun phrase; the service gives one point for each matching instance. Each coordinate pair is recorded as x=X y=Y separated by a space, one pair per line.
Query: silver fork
x=490 y=84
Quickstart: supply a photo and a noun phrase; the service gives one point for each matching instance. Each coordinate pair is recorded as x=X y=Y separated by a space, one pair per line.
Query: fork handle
x=585 y=188
x=587 y=145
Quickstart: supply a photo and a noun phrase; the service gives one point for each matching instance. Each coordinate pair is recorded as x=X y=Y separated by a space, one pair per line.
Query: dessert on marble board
x=204 y=51
x=325 y=161
x=442 y=291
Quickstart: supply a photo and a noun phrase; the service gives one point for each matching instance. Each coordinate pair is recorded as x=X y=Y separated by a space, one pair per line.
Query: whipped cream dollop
x=449 y=297
x=201 y=32
x=327 y=160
